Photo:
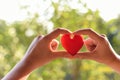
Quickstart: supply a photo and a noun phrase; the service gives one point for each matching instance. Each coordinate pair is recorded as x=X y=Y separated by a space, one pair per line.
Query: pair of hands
x=43 y=48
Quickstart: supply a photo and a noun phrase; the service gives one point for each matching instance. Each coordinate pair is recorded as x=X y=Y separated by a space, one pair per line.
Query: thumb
x=61 y=54
x=84 y=55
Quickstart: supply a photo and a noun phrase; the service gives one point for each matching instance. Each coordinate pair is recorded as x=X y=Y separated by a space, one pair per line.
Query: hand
x=99 y=48
x=41 y=51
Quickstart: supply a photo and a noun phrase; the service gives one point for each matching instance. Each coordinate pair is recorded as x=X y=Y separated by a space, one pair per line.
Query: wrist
x=28 y=65
x=115 y=64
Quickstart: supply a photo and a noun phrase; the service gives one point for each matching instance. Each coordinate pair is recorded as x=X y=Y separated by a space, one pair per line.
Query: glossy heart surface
x=72 y=43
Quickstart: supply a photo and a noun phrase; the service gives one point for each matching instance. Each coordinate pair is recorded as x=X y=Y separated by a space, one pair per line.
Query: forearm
x=20 y=72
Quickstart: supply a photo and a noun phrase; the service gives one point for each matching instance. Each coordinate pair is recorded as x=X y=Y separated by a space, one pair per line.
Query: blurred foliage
x=16 y=37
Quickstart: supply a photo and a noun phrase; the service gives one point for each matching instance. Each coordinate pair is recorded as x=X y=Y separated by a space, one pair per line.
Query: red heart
x=72 y=44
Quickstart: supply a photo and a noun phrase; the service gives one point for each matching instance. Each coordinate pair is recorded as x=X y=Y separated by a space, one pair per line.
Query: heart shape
x=72 y=43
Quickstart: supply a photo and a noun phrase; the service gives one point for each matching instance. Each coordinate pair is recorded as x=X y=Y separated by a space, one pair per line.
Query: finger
x=61 y=54
x=54 y=34
x=84 y=55
x=92 y=34
x=54 y=44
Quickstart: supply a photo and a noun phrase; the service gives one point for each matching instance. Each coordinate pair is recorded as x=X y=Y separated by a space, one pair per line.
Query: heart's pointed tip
x=73 y=54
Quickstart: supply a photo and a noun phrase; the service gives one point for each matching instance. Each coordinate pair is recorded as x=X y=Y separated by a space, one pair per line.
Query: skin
x=99 y=49
x=41 y=51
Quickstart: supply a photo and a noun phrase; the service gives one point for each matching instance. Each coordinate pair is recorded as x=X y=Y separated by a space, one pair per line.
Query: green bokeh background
x=17 y=36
